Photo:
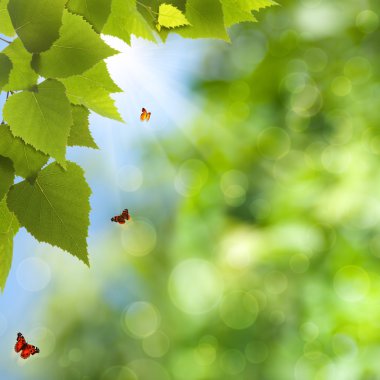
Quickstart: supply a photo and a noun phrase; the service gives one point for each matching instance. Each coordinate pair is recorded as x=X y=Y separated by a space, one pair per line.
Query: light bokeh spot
x=307 y=102
x=119 y=373
x=299 y=263
x=75 y=354
x=316 y=366
x=358 y=69
x=156 y=345
x=234 y=185
x=195 y=286
x=33 y=274
x=139 y=237
x=240 y=247
x=206 y=353
x=256 y=351
x=232 y=361
x=336 y=160
x=344 y=345
x=319 y=20
x=316 y=59
x=191 y=177
x=44 y=339
x=275 y=282
x=148 y=369
x=309 y=331
x=142 y=319
x=351 y=283
x=341 y=86
x=239 y=309
x=129 y=178
x=273 y=143
x=367 y=21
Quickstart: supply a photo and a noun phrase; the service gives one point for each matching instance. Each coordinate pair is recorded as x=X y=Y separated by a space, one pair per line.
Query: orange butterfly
x=121 y=218
x=145 y=115
x=25 y=348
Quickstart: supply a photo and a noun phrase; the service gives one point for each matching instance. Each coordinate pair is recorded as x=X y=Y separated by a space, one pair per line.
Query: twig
x=3 y=39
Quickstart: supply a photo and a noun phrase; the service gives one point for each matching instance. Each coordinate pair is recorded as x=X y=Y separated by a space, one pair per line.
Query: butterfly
x=121 y=218
x=25 y=348
x=145 y=115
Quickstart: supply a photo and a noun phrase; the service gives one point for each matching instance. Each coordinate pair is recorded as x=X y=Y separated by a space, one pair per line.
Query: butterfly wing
x=121 y=219
x=143 y=114
x=29 y=350
x=125 y=214
x=148 y=116
x=21 y=342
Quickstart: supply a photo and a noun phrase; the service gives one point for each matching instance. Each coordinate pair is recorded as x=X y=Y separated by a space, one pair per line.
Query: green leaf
x=5 y=69
x=7 y=175
x=98 y=75
x=82 y=91
x=41 y=117
x=22 y=75
x=77 y=49
x=8 y=229
x=80 y=134
x=26 y=160
x=37 y=22
x=6 y=26
x=236 y=11
x=126 y=20
x=55 y=208
x=234 y=14
x=95 y=12
x=171 y=17
x=255 y=5
x=206 y=18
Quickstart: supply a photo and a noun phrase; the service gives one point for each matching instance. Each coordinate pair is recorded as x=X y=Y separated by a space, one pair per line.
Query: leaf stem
x=3 y=39
x=149 y=9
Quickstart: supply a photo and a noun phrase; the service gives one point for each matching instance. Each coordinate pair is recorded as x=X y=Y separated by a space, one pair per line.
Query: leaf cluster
x=54 y=73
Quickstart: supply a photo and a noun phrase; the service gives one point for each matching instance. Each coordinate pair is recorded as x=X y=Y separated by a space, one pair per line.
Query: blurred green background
x=254 y=250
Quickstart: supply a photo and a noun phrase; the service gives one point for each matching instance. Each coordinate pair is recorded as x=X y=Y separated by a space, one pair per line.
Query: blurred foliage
x=266 y=263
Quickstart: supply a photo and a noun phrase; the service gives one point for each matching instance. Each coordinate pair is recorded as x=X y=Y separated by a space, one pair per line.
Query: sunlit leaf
x=171 y=17
x=206 y=19
x=126 y=20
x=27 y=161
x=55 y=208
x=95 y=12
x=88 y=92
x=77 y=49
x=41 y=117
x=98 y=75
x=5 y=69
x=79 y=132
x=255 y=5
x=6 y=26
x=234 y=14
x=8 y=229
x=22 y=76
x=236 y=11
x=7 y=174
x=37 y=22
